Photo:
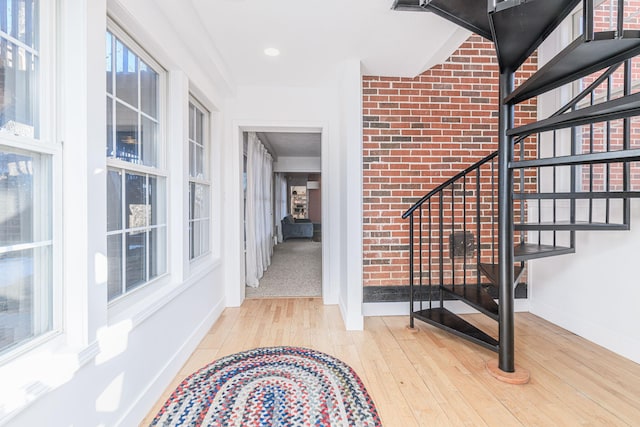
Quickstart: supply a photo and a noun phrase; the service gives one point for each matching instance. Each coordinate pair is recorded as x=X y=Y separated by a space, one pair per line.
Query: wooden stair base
x=518 y=377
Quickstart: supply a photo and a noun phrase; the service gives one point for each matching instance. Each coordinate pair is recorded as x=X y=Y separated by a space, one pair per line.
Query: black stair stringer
x=475 y=296
x=408 y=5
x=469 y=14
x=444 y=319
x=581 y=58
x=519 y=26
x=491 y=272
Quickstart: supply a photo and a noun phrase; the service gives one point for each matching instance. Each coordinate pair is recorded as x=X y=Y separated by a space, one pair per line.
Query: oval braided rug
x=273 y=386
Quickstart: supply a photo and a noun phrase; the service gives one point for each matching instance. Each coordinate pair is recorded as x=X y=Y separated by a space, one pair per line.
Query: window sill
x=139 y=300
x=142 y=303
x=203 y=261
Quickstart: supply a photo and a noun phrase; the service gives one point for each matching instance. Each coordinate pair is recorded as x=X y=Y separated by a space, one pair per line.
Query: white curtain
x=259 y=216
x=281 y=202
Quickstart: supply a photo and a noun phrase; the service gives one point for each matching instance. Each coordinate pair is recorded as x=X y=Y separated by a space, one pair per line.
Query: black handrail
x=448 y=182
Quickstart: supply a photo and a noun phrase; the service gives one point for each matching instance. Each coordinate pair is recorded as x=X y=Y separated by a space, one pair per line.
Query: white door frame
x=235 y=289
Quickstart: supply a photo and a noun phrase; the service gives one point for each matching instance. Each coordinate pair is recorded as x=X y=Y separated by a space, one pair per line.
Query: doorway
x=294 y=265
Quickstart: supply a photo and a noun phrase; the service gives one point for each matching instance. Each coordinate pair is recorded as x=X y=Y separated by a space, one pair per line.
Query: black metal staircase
x=479 y=228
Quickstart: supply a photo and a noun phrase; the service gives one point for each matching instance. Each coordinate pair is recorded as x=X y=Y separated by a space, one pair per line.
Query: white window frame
x=205 y=180
x=160 y=171
x=46 y=146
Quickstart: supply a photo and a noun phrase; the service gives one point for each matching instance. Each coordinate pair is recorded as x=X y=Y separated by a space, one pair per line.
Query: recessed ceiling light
x=271 y=51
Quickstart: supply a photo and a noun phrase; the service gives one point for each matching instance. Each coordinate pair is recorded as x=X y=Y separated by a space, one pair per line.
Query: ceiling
x=314 y=38
x=291 y=144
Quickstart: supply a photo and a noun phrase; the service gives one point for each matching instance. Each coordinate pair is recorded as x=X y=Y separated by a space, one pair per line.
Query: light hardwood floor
x=431 y=378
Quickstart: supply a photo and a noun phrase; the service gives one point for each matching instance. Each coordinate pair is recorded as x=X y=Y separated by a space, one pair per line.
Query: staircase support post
x=411 y=272
x=506 y=357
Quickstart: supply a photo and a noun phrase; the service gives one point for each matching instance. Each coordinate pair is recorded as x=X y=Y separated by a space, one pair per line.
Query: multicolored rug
x=273 y=386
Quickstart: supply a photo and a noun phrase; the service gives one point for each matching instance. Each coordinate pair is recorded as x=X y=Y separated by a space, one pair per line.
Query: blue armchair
x=292 y=228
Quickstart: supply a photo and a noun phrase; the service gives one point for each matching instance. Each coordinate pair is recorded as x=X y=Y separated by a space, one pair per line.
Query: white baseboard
x=352 y=321
x=607 y=337
x=150 y=395
x=402 y=308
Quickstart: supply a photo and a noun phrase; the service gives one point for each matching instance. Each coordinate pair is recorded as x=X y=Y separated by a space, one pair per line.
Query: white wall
x=350 y=81
x=308 y=109
x=135 y=364
x=109 y=364
x=594 y=292
x=283 y=109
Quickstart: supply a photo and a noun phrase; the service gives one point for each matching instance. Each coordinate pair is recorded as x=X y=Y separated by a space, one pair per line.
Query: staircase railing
x=580 y=195
x=574 y=170
x=453 y=232
x=446 y=235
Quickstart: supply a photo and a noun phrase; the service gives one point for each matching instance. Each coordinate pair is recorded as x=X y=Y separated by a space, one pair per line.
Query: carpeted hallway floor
x=295 y=271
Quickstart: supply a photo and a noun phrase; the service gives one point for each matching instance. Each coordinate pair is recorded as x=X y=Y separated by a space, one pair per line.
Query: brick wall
x=419 y=132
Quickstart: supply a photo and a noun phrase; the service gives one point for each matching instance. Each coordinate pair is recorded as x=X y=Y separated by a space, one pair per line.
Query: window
x=199 y=186
x=19 y=67
x=132 y=106
x=26 y=237
x=136 y=181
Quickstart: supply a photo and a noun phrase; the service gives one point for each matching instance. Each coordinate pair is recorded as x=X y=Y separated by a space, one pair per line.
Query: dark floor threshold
x=401 y=293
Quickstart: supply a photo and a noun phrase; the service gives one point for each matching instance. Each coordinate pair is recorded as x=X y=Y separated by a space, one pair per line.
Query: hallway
x=295 y=271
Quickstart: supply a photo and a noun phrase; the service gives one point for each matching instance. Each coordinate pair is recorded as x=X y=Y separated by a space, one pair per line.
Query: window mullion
x=136 y=168
x=138 y=111
x=114 y=68
x=123 y=243
x=146 y=116
x=198 y=180
x=25 y=246
x=19 y=43
x=147 y=230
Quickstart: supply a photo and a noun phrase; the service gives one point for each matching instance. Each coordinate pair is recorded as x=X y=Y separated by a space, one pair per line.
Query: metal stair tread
x=469 y=14
x=580 y=159
x=577 y=60
x=527 y=251
x=407 y=5
x=622 y=107
x=476 y=297
x=569 y=225
x=520 y=26
x=577 y=195
x=492 y=273
x=444 y=319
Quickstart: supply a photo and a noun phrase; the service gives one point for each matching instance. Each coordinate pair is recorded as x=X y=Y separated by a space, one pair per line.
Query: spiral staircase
x=569 y=172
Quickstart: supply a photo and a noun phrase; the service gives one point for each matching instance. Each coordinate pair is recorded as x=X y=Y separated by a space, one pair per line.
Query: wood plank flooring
x=430 y=378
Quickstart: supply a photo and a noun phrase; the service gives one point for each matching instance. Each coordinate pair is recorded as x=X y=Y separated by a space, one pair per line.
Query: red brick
x=427 y=130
